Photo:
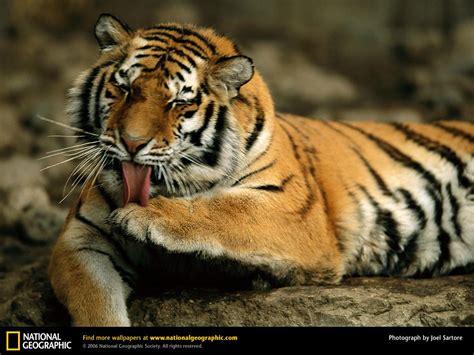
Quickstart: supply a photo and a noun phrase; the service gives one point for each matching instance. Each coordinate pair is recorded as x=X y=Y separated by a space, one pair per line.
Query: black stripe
x=197 y=135
x=186 y=56
x=454 y=212
x=455 y=131
x=398 y=156
x=309 y=151
x=179 y=64
x=180 y=76
x=297 y=129
x=389 y=226
x=258 y=126
x=109 y=95
x=136 y=65
x=98 y=94
x=86 y=221
x=338 y=131
x=157 y=38
x=198 y=98
x=124 y=274
x=188 y=32
x=189 y=114
x=434 y=190
x=294 y=147
x=261 y=154
x=107 y=198
x=106 y=235
x=443 y=237
x=204 y=88
x=152 y=47
x=194 y=51
x=415 y=207
x=139 y=56
x=211 y=156
x=410 y=249
x=186 y=43
x=84 y=115
x=186 y=89
x=271 y=188
x=408 y=255
x=375 y=258
x=274 y=188
x=310 y=197
x=263 y=168
x=378 y=179
x=241 y=98
x=464 y=269
x=159 y=64
x=436 y=147
x=168 y=106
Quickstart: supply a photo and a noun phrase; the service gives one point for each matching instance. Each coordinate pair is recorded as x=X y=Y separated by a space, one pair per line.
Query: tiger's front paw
x=131 y=221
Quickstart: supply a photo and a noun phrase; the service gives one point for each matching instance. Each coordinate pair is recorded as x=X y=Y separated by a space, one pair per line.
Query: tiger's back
x=400 y=196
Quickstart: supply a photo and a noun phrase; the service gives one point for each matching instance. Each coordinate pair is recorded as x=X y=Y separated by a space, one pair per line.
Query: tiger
x=194 y=177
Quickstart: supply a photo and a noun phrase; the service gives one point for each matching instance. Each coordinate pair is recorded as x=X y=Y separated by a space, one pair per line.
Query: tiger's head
x=173 y=109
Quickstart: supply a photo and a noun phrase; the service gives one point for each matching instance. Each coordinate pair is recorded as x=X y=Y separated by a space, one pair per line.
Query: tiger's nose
x=134 y=143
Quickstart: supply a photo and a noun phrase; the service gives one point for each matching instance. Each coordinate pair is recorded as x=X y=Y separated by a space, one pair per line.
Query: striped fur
x=243 y=192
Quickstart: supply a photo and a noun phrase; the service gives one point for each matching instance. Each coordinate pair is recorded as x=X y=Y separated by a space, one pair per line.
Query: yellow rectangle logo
x=13 y=341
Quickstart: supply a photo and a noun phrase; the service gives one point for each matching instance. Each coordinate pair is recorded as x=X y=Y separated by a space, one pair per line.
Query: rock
x=298 y=79
x=419 y=46
x=42 y=225
x=357 y=302
x=13 y=137
x=27 y=299
x=24 y=202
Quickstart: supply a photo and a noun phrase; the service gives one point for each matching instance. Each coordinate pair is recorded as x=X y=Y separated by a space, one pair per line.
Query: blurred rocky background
x=390 y=60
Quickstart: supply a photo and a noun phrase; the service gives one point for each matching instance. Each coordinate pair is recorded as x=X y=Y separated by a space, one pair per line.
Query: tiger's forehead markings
x=128 y=71
x=169 y=55
x=183 y=80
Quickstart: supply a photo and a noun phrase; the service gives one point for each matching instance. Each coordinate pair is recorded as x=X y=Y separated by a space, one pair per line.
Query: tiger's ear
x=110 y=32
x=230 y=73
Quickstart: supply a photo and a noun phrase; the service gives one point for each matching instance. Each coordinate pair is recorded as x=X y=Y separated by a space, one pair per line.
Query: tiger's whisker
x=70 y=154
x=66 y=126
x=80 y=172
x=64 y=161
x=65 y=136
x=82 y=165
x=72 y=147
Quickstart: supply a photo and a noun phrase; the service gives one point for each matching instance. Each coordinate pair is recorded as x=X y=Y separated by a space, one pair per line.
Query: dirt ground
x=380 y=64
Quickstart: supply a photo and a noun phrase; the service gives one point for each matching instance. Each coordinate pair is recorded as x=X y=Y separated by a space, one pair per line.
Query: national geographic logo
x=13 y=341
x=16 y=341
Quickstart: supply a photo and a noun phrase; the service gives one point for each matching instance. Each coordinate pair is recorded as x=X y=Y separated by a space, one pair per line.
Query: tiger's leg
x=252 y=228
x=89 y=277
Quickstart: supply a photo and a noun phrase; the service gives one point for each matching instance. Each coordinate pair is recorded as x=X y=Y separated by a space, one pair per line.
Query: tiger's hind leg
x=89 y=277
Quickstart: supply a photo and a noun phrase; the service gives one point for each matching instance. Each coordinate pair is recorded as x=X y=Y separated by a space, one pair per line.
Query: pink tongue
x=136 y=183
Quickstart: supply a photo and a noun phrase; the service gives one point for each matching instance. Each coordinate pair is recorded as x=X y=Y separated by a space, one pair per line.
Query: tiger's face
x=160 y=103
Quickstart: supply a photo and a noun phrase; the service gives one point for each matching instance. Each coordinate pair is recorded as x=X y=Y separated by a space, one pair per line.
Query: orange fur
x=298 y=204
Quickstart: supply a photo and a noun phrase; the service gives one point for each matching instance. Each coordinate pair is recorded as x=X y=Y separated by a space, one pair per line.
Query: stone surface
x=24 y=203
x=27 y=299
